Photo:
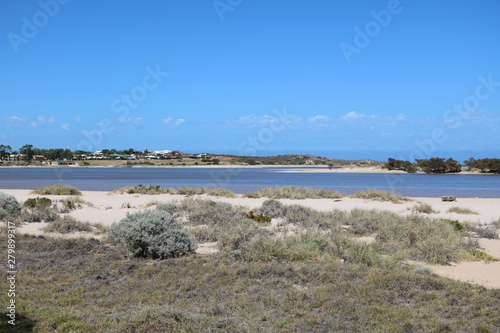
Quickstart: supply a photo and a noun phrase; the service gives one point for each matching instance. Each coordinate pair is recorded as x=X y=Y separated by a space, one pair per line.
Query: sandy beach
x=106 y=209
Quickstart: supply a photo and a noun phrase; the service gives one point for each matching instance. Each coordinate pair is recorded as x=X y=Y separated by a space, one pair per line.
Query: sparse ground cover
x=86 y=285
x=294 y=192
x=379 y=195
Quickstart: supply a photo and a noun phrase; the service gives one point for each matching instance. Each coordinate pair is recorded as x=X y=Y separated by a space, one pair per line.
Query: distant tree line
x=29 y=152
x=491 y=165
x=441 y=165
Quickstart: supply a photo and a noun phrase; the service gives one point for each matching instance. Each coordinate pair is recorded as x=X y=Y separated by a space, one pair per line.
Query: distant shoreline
x=293 y=168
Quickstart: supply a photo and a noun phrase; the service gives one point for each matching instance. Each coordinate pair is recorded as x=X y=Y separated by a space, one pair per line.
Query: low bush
x=38 y=210
x=295 y=192
x=423 y=208
x=420 y=238
x=489 y=231
x=167 y=207
x=191 y=190
x=152 y=234
x=141 y=189
x=67 y=225
x=75 y=203
x=9 y=206
x=221 y=192
x=37 y=202
x=199 y=190
x=259 y=218
x=58 y=189
x=457 y=225
x=310 y=218
x=379 y=195
x=460 y=210
x=362 y=221
x=272 y=208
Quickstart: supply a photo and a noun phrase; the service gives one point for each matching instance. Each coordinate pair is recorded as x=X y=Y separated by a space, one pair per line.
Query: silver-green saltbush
x=272 y=208
x=8 y=205
x=152 y=234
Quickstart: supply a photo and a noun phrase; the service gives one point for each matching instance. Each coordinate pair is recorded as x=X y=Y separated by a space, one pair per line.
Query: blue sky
x=348 y=79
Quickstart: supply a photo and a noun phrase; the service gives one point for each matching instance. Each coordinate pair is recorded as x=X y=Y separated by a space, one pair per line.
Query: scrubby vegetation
x=423 y=208
x=272 y=208
x=295 y=192
x=38 y=210
x=308 y=270
x=98 y=290
x=151 y=234
x=58 y=189
x=184 y=190
x=460 y=210
x=9 y=206
x=68 y=224
x=141 y=189
x=379 y=195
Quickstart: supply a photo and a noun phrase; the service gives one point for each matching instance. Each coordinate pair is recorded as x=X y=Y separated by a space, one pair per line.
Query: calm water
x=251 y=179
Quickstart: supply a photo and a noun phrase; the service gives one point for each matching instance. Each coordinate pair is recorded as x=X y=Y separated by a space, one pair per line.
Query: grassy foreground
x=89 y=286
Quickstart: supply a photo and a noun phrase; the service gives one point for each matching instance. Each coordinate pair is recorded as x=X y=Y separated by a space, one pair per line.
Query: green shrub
x=9 y=206
x=258 y=218
x=58 y=189
x=38 y=210
x=37 y=202
x=379 y=195
x=67 y=225
x=457 y=225
x=152 y=234
x=272 y=208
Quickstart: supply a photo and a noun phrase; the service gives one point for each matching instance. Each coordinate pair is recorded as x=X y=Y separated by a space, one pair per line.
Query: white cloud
x=132 y=121
x=13 y=121
x=65 y=126
x=353 y=115
x=354 y=118
x=252 y=121
x=42 y=121
x=318 y=118
x=173 y=123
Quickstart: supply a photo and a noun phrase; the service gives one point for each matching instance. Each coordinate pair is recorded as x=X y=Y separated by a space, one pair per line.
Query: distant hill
x=294 y=159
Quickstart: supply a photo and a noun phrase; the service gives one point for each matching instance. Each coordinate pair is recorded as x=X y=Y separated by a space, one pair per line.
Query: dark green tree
x=5 y=151
x=27 y=150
